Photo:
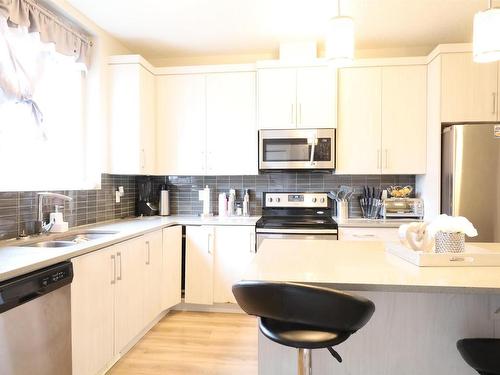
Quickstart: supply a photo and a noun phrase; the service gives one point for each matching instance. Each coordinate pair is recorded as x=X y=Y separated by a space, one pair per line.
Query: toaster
x=408 y=208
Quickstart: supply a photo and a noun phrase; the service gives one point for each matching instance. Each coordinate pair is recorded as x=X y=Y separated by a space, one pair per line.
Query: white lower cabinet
x=199 y=264
x=368 y=234
x=234 y=250
x=171 y=276
x=153 y=262
x=116 y=292
x=216 y=257
x=92 y=311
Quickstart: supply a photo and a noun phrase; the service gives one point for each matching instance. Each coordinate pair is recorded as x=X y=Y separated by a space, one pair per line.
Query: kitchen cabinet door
x=199 y=264
x=277 y=98
x=234 y=250
x=152 y=261
x=359 y=129
x=129 y=292
x=468 y=89
x=92 y=306
x=181 y=124
x=132 y=120
x=172 y=267
x=404 y=119
x=231 y=124
x=316 y=97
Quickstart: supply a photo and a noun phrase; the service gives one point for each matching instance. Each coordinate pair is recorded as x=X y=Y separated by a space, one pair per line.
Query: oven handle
x=313 y=146
x=297 y=231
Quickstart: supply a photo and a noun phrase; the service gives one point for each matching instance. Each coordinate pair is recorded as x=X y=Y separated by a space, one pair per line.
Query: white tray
x=474 y=255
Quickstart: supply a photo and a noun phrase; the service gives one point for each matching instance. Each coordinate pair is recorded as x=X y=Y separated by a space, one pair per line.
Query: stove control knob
x=314 y=200
x=270 y=199
x=322 y=200
x=278 y=200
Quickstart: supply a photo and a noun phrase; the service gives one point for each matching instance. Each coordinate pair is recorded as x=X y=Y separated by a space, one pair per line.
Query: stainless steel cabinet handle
x=291 y=115
x=148 y=253
x=386 y=158
x=143 y=157
x=208 y=244
x=364 y=235
x=119 y=257
x=113 y=259
x=300 y=114
x=494 y=103
x=378 y=159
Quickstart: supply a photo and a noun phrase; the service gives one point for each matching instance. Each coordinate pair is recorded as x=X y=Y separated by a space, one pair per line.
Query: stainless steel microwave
x=297 y=149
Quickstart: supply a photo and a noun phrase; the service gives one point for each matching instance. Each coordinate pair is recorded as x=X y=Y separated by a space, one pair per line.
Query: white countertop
x=359 y=265
x=16 y=259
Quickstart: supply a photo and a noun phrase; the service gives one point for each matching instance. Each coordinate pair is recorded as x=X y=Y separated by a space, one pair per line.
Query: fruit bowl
x=399 y=191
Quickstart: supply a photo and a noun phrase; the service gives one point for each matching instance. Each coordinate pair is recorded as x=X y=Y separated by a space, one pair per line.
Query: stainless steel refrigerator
x=470 y=176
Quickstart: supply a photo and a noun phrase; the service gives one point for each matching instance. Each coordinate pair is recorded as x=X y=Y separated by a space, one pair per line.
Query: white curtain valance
x=29 y=14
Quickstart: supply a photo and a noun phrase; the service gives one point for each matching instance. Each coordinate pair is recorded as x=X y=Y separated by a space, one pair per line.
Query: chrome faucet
x=41 y=226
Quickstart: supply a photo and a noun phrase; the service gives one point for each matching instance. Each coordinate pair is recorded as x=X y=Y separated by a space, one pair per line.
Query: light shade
x=486 y=40
x=339 y=43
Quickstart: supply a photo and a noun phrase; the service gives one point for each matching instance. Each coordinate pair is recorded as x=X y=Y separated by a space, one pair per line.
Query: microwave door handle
x=313 y=146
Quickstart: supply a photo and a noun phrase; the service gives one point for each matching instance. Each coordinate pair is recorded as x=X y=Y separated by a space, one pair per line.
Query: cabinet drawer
x=368 y=234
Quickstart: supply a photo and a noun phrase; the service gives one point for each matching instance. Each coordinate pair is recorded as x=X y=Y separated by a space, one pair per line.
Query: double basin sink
x=73 y=239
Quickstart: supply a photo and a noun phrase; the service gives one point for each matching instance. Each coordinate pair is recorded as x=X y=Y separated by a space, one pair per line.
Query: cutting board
x=474 y=256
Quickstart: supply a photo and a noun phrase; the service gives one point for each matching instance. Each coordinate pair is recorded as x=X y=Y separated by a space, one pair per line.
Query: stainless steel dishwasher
x=35 y=322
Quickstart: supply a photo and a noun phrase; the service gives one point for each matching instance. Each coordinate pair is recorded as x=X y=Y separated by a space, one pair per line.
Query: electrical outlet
x=117 y=196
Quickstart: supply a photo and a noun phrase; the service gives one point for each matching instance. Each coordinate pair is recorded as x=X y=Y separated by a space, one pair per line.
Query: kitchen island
x=420 y=311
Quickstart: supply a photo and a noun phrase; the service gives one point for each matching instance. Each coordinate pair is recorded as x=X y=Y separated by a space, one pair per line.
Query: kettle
x=416 y=236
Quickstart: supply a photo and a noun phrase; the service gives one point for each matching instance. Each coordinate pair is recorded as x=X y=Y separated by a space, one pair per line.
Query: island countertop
x=364 y=266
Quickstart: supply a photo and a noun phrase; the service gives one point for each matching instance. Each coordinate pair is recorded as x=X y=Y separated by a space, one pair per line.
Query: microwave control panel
x=323 y=150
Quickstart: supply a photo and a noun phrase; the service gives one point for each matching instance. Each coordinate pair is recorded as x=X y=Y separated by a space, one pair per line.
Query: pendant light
x=486 y=40
x=339 y=43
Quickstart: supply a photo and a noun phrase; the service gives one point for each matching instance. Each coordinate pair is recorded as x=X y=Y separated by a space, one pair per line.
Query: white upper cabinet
x=404 y=116
x=277 y=98
x=206 y=124
x=359 y=133
x=181 y=124
x=231 y=124
x=469 y=90
x=132 y=120
x=316 y=97
x=296 y=97
x=382 y=120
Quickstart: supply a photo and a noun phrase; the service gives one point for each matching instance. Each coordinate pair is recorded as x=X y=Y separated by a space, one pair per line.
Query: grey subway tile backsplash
x=18 y=210
x=184 y=189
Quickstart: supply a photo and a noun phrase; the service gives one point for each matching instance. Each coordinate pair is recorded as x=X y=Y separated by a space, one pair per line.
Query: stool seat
x=483 y=355
x=300 y=335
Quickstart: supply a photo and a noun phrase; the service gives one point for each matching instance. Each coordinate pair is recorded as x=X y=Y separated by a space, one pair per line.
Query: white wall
x=98 y=86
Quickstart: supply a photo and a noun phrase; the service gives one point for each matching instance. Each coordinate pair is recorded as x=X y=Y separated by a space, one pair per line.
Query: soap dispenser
x=58 y=223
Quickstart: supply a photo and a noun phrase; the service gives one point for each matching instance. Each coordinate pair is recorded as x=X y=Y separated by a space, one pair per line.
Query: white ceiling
x=174 y=28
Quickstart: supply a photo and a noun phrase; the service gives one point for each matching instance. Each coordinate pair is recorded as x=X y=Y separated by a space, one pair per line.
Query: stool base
x=305 y=362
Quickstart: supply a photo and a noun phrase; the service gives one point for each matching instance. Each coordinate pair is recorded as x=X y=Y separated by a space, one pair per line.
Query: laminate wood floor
x=198 y=343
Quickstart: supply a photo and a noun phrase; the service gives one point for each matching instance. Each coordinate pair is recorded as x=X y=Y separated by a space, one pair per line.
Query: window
x=48 y=154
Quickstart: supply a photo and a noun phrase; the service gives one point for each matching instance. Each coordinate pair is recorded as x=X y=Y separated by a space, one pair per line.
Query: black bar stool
x=483 y=355
x=303 y=316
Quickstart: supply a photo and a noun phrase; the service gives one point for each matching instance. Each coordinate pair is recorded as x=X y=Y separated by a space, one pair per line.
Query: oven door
x=297 y=149
x=296 y=234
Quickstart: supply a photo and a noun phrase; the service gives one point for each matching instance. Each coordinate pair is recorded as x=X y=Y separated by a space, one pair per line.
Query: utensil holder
x=370 y=207
x=343 y=210
x=448 y=242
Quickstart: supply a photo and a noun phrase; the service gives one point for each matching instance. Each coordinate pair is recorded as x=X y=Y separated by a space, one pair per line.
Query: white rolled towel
x=452 y=224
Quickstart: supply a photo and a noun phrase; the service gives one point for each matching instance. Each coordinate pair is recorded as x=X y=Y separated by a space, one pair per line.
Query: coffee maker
x=146 y=204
